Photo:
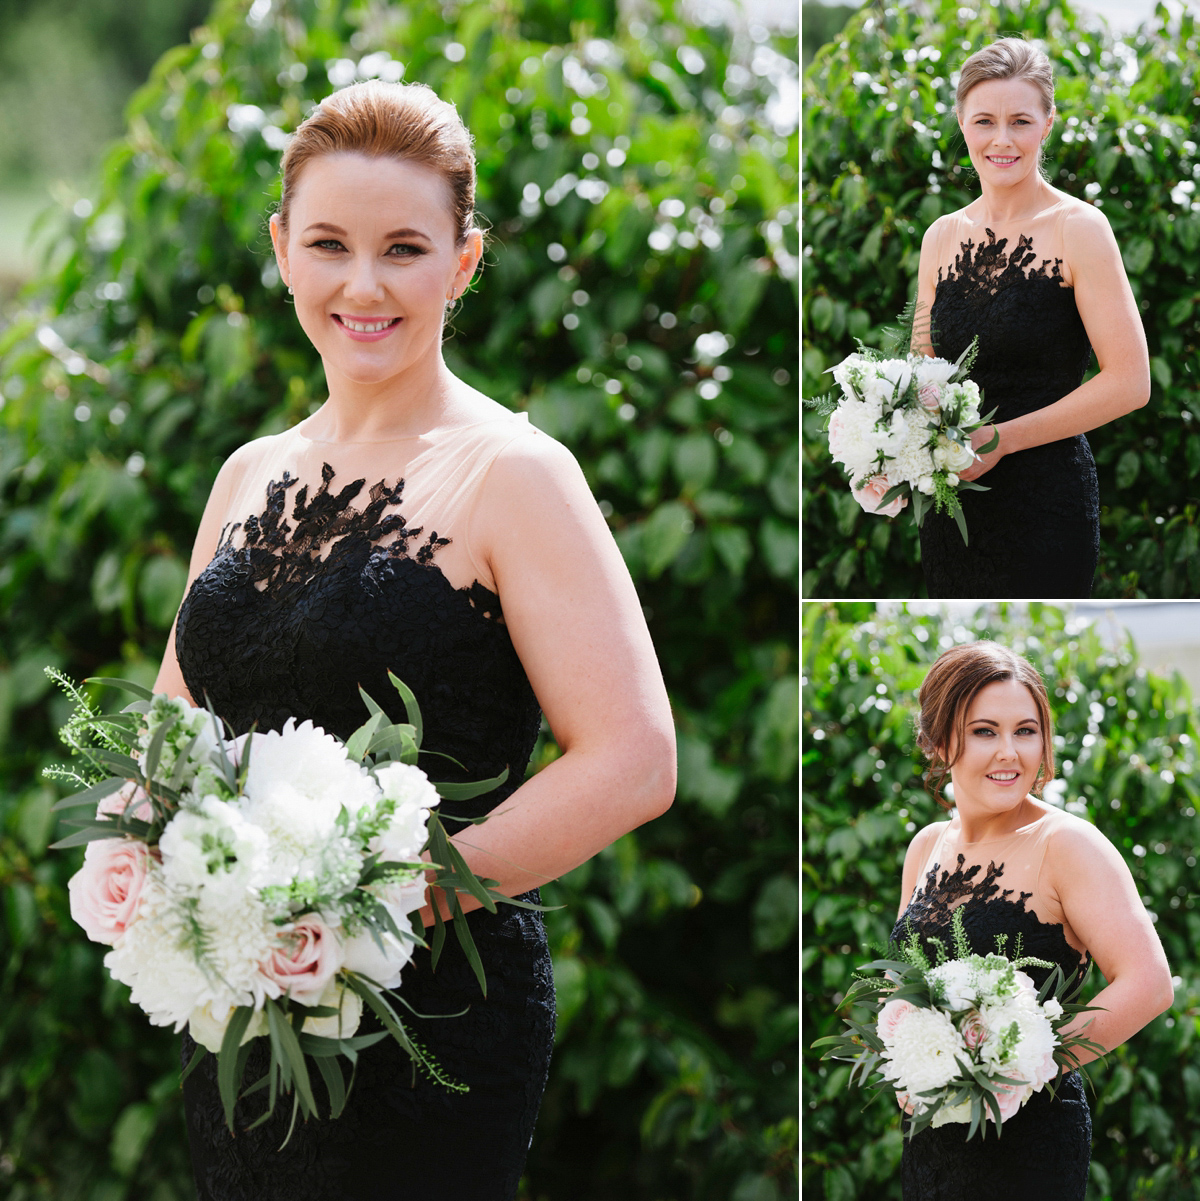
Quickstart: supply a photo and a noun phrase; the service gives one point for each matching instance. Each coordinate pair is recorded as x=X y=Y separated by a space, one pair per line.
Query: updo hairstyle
x=1009 y=58
x=404 y=121
x=949 y=688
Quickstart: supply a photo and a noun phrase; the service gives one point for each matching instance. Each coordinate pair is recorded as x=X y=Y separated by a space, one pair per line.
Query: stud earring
x=291 y=290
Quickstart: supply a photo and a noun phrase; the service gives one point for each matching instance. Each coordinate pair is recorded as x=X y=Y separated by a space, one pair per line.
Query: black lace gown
x=1045 y=1148
x=1036 y=533
x=271 y=630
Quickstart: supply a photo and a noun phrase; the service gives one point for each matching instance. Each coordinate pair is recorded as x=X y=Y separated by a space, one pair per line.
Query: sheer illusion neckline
x=430 y=435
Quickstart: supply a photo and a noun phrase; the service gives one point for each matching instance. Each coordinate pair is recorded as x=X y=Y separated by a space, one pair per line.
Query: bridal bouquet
x=902 y=428
x=263 y=886
x=966 y=1039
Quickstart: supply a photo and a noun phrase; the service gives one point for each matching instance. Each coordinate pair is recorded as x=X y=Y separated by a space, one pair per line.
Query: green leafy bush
x=1126 y=747
x=639 y=302
x=884 y=158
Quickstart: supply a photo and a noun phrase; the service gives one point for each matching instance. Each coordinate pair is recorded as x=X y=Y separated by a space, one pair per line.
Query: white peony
x=922 y=1054
x=897 y=373
x=933 y=371
x=298 y=783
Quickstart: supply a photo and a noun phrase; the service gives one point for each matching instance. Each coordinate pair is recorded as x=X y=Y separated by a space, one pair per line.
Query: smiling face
x=997 y=764
x=371 y=254
x=1004 y=123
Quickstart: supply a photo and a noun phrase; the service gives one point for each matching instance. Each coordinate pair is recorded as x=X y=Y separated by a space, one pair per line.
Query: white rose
x=342 y=1024
x=951 y=455
x=209 y=1031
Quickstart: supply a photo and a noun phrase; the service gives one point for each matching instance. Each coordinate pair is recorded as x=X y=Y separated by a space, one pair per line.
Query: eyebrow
x=987 y=721
x=395 y=233
x=1022 y=113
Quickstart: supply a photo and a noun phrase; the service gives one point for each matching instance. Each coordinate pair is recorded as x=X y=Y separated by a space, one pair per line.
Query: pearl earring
x=291 y=290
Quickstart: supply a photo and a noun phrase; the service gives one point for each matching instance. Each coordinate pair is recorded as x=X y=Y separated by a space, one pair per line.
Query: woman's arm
x=1110 y=316
x=918 y=851
x=926 y=291
x=1101 y=904
x=577 y=626
x=170 y=678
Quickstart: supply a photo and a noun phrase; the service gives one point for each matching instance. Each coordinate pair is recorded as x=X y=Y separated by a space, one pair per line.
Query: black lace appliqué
x=276 y=552
x=986 y=266
x=939 y=898
x=988 y=910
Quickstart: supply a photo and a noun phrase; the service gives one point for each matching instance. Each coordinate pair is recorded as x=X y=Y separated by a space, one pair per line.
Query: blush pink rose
x=873 y=491
x=1010 y=1098
x=890 y=1017
x=308 y=957
x=130 y=799
x=974 y=1030
x=106 y=890
x=931 y=397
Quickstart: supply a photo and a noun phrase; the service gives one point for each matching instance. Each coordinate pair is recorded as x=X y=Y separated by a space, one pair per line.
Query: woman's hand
x=988 y=459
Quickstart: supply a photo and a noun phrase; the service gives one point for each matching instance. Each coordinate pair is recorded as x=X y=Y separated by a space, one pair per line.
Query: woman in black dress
x=413 y=525
x=1037 y=275
x=1024 y=869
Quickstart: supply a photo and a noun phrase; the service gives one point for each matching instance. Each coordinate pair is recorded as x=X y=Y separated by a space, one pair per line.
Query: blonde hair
x=1009 y=58
x=388 y=120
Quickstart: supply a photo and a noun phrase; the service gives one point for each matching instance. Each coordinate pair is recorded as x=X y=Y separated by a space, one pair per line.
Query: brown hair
x=1009 y=58
x=952 y=684
x=388 y=120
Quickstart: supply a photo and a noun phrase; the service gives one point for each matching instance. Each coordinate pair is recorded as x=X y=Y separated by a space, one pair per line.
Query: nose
x=363 y=284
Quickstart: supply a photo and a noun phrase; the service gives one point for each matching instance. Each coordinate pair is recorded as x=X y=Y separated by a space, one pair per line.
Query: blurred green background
x=638 y=174
x=883 y=159
x=1125 y=745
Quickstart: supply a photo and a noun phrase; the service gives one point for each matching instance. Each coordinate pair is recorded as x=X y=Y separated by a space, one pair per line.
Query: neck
x=976 y=827
x=421 y=398
x=1006 y=206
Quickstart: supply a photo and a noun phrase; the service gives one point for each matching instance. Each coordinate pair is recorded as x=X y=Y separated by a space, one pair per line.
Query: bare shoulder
x=1077 y=844
x=535 y=465
x=1086 y=231
x=923 y=839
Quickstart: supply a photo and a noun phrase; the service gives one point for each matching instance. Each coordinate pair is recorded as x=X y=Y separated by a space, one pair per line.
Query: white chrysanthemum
x=299 y=781
x=853 y=439
x=922 y=1053
x=933 y=370
x=957 y=979
x=906 y=446
x=181 y=954
x=210 y=849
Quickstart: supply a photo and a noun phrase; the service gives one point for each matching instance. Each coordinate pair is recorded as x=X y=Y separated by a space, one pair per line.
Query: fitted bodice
x=1035 y=532
x=1001 y=887
x=1033 y=348
x=317 y=590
